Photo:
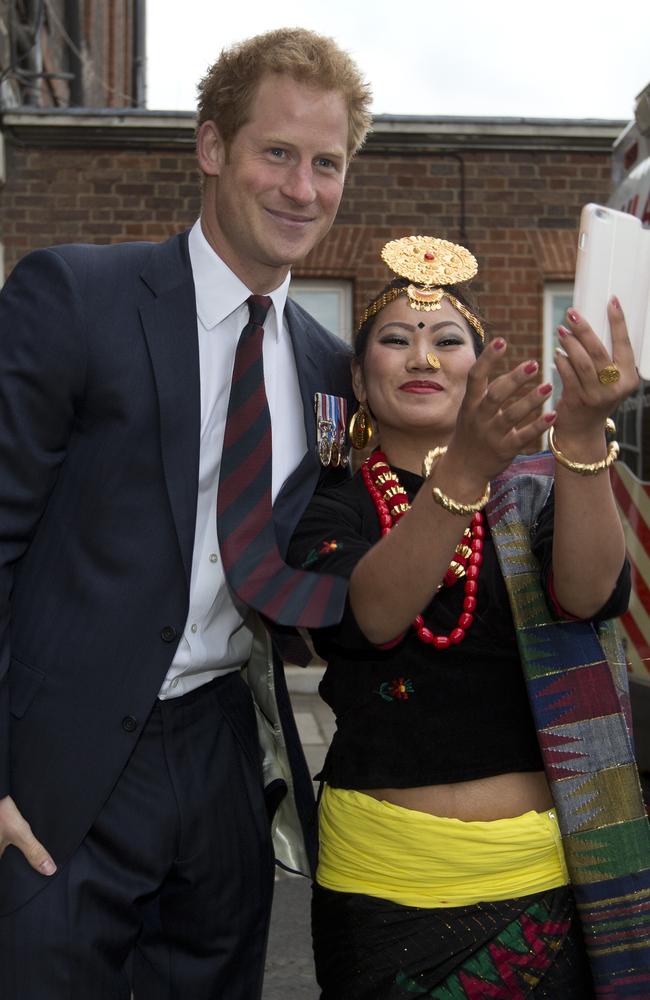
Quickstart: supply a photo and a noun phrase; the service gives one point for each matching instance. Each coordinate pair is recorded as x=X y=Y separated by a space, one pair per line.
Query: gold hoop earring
x=433 y=362
x=360 y=428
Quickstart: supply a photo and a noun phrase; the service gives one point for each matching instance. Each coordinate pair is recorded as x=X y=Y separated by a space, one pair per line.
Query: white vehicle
x=631 y=163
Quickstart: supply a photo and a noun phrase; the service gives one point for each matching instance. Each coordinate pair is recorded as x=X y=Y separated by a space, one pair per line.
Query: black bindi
x=421 y=326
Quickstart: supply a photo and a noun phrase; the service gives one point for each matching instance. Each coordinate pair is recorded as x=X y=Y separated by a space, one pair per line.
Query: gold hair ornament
x=586 y=468
x=430 y=263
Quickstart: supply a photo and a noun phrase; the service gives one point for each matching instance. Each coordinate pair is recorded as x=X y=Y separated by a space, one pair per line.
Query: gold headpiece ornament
x=431 y=263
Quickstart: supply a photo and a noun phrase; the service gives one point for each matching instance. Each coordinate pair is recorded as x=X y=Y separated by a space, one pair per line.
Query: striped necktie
x=252 y=563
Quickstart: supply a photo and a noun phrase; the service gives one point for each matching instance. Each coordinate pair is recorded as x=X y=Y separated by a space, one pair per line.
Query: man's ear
x=210 y=149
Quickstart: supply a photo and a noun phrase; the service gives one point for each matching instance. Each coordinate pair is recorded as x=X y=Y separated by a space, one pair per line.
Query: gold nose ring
x=433 y=362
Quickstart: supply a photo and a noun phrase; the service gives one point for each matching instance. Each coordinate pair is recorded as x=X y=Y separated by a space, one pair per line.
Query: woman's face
x=394 y=377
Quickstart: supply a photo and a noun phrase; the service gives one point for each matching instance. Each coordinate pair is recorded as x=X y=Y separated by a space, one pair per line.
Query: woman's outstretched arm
x=588 y=540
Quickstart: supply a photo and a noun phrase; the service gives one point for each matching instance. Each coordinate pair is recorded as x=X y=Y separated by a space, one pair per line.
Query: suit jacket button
x=168 y=633
x=129 y=724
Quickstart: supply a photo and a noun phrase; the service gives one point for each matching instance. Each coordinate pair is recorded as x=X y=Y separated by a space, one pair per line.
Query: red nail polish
x=498 y=344
x=573 y=315
x=550 y=417
x=530 y=367
x=563 y=332
x=616 y=303
x=545 y=389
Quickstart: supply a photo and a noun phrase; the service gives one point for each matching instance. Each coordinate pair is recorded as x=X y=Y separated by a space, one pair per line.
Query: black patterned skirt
x=371 y=949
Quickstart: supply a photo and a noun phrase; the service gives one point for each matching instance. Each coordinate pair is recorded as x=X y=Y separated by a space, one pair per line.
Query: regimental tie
x=252 y=563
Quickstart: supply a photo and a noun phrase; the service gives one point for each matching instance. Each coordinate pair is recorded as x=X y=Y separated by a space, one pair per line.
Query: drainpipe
x=72 y=21
x=138 y=78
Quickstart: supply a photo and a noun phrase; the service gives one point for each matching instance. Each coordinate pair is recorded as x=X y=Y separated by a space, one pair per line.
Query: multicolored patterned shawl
x=577 y=684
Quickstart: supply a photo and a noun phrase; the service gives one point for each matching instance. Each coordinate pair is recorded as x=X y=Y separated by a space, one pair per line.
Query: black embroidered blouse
x=412 y=715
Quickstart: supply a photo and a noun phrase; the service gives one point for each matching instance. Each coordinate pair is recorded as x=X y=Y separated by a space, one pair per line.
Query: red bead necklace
x=391 y=503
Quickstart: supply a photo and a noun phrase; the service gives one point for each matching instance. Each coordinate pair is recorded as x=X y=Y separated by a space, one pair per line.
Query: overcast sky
x=550 y=59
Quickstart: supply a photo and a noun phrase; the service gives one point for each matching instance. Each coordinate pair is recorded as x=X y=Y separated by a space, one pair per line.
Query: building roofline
x=411 y=134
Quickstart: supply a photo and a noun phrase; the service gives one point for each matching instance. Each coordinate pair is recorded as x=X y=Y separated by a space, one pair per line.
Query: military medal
x=331 y=419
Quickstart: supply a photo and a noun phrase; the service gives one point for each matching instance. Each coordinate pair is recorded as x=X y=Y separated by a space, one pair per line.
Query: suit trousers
x=169 y=894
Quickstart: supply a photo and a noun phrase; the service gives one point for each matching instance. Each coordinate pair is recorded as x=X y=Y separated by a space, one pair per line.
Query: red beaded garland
x=391 y=503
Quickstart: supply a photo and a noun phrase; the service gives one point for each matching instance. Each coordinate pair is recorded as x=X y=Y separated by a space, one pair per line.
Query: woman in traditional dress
x=451 y=779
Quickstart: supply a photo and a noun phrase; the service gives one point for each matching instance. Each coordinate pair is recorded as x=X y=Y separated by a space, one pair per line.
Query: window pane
x=329 y=301
x=323 y=306
x=560 y=302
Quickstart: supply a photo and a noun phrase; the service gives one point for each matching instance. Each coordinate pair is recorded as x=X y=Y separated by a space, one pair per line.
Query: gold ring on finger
x=608 y=374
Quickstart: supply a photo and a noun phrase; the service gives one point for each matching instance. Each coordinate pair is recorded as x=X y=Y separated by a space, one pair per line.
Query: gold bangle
x=453 y=506
x=462 y=509
x=431 y=457
x=586 y=468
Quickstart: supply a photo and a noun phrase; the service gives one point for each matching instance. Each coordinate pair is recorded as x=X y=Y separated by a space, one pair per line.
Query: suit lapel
x=169 y=323
x=307 y=356
x=320 y=366
x=301 y=484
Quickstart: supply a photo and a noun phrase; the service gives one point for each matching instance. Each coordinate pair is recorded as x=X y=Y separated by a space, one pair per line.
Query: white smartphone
x=614 y=259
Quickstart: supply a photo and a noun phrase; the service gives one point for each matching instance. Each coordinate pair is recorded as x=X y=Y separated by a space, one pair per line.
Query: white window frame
x=343 y=290
x=552 y=291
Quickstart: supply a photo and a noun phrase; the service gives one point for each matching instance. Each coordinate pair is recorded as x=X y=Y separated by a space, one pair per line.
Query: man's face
x=279 y=184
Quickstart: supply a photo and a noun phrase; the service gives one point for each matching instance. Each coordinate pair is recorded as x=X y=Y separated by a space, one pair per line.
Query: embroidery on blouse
x=325 y=549
x=398 y=689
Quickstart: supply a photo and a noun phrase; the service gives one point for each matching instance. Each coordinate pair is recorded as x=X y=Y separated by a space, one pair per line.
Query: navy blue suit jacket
x=99 y=455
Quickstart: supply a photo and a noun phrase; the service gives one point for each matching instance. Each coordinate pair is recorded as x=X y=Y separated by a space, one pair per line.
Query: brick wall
x=94 y=196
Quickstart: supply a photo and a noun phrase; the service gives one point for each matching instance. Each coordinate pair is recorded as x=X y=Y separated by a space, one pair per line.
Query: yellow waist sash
x=409 y=857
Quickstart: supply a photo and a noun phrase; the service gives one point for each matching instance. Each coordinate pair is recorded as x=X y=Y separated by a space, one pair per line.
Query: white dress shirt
x=216 y=638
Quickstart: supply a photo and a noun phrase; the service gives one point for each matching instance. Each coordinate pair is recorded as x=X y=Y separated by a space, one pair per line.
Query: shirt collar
x=219 y=292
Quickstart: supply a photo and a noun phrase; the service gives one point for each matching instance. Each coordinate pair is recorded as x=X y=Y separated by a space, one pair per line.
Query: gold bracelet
x=431 y=457
x=453 y=506
x=586 y=468
x=462 y=509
